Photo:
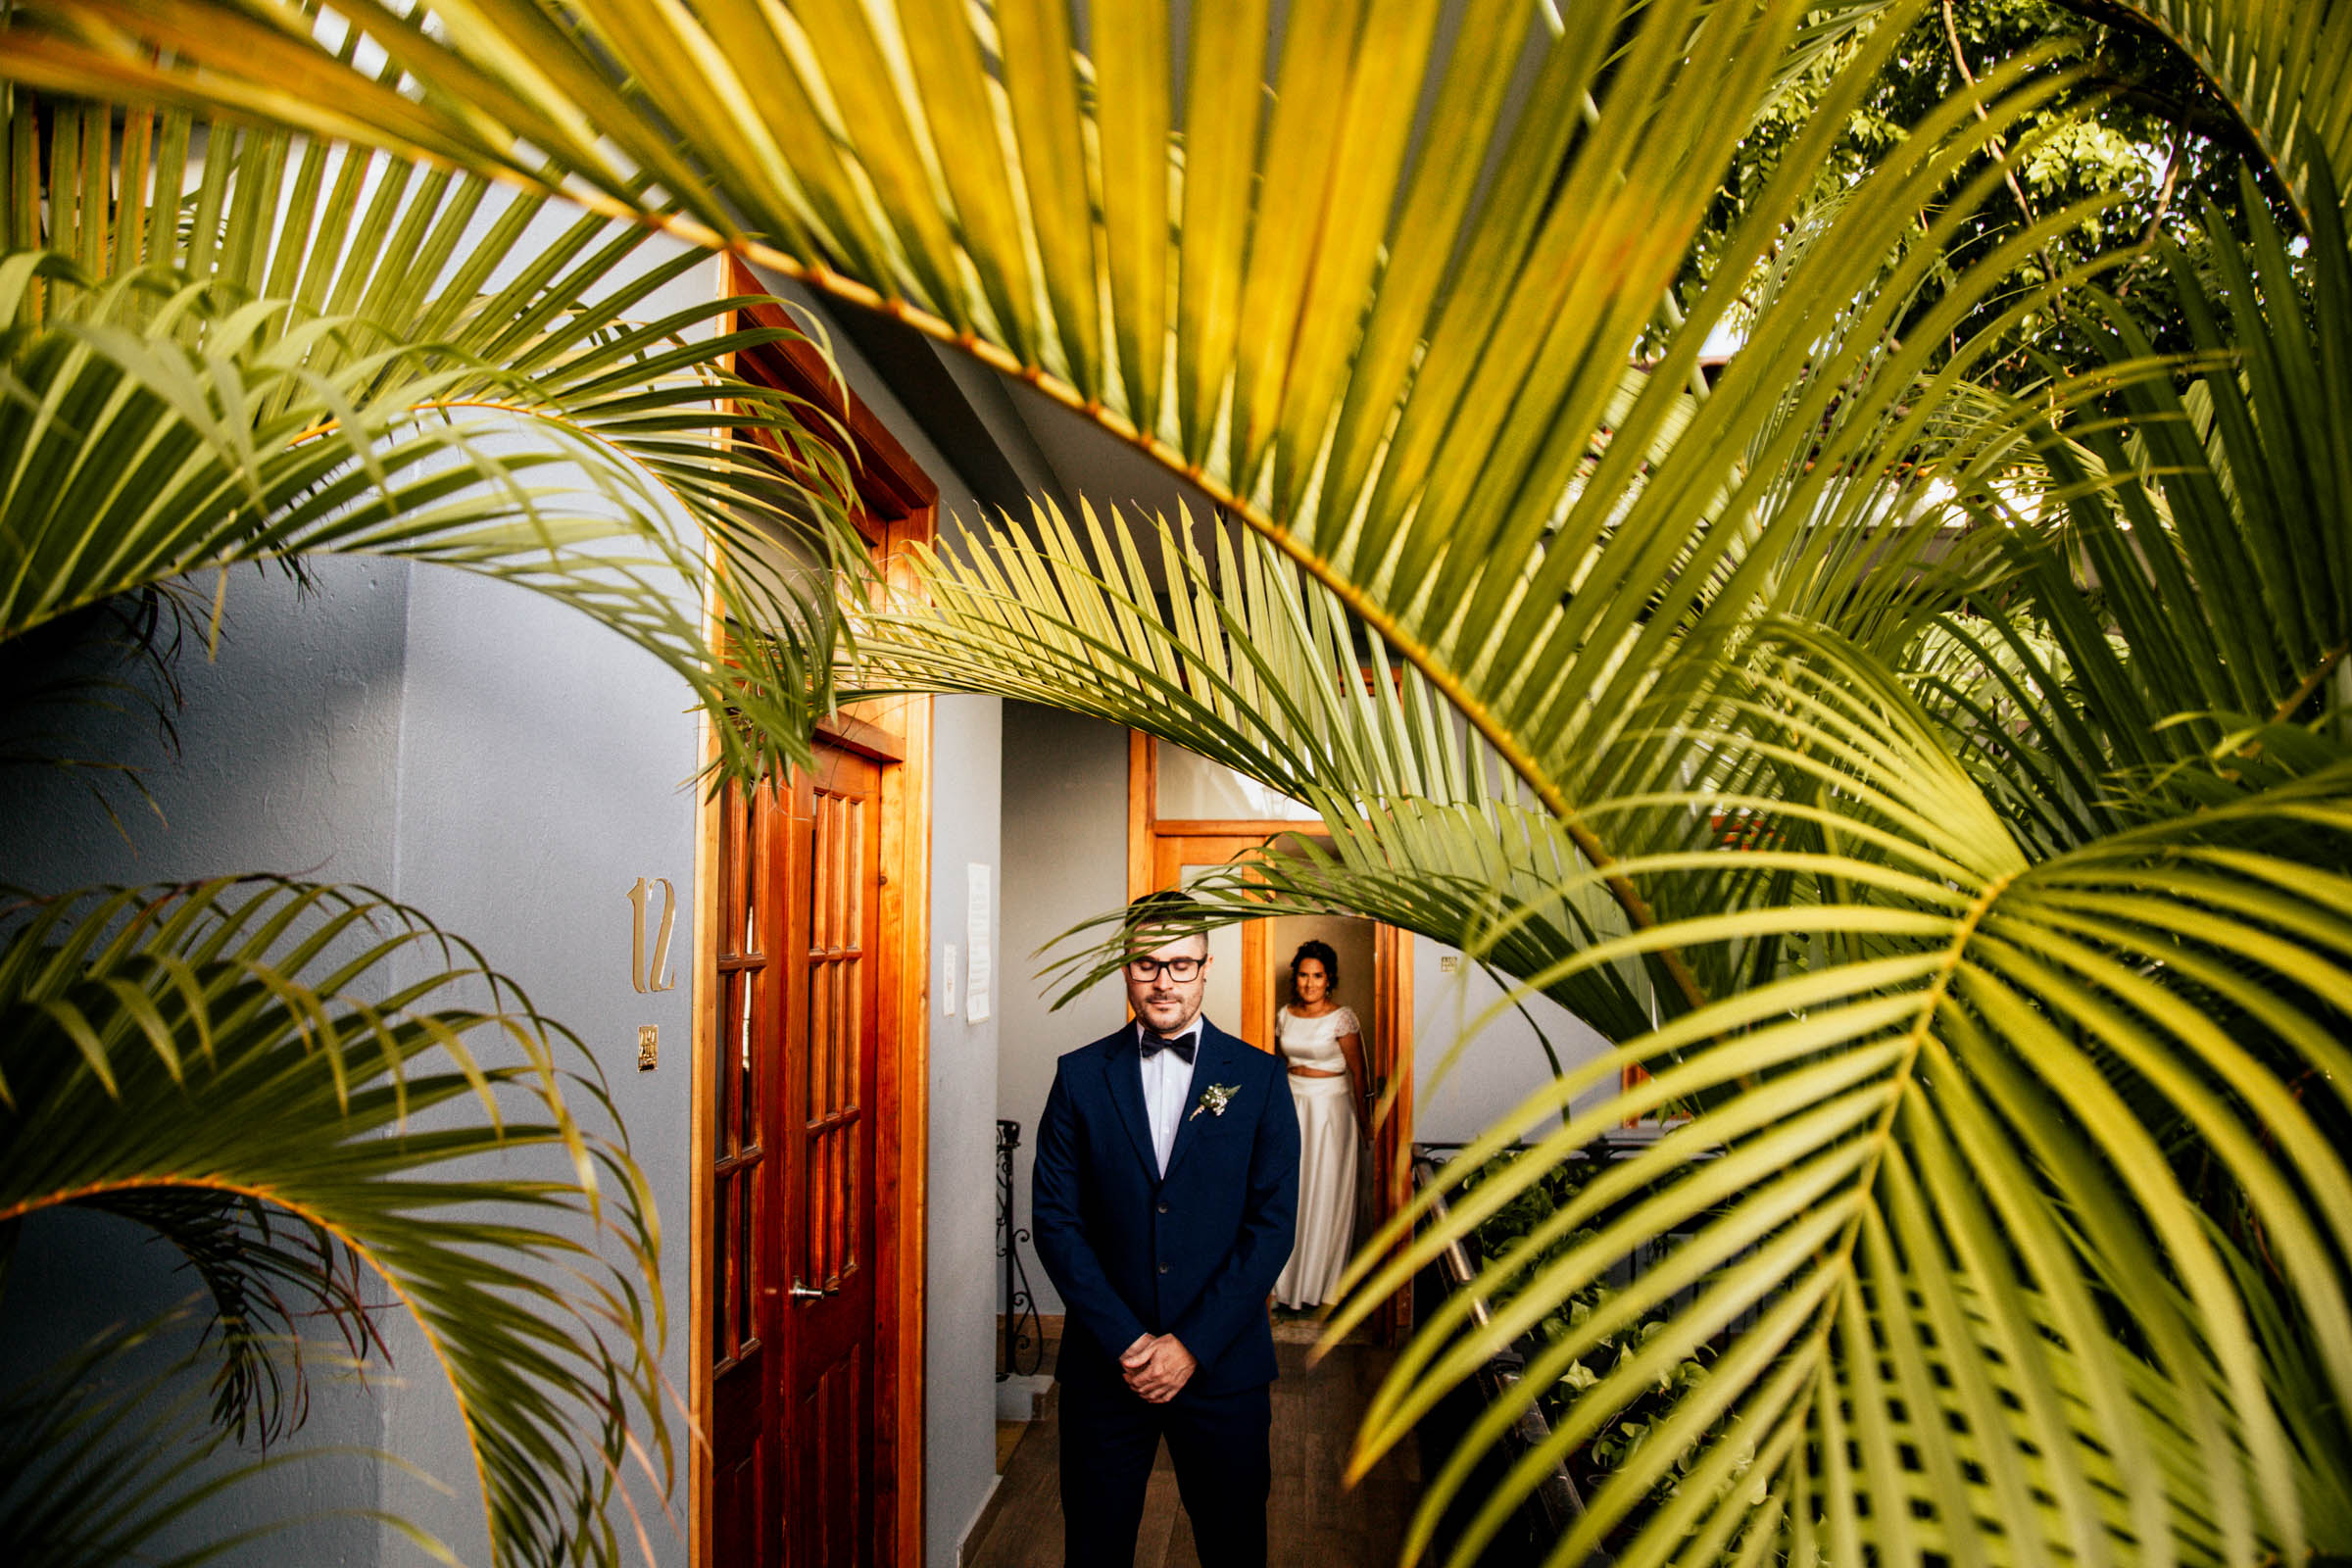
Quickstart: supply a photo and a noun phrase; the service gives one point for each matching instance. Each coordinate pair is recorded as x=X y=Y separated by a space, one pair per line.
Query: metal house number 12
x=643 y=975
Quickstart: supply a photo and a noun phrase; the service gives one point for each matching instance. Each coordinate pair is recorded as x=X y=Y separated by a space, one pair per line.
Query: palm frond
x=321 y=350
x=305 y=1048
x=1414 y=385
x=1249 y=662
x=105 y=1460
x=2279 y=65
x=1947 y=1184
x=2013 y=1192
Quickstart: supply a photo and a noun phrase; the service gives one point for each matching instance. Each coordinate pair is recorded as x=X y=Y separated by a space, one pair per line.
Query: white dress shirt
x=1167 y=1086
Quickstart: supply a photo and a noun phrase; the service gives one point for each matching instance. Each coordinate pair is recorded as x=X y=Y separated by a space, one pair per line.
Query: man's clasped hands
x=1156 y=1366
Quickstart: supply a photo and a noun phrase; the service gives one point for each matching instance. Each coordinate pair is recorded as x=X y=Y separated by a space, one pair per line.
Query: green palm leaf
x=103 y=1463
x=367 y=383
x=2013 y=1176
x=1436 y=421
x=1253 y=664
x=304 y=1049
x=1946 y=1183
x=2204 y=519
x=2279 y=64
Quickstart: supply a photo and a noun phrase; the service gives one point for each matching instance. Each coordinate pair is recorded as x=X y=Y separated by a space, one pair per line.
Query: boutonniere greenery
x=1214 y=1099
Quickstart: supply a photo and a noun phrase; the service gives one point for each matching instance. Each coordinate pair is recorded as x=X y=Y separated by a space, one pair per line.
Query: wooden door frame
x=898 y=510
x=1393 y=965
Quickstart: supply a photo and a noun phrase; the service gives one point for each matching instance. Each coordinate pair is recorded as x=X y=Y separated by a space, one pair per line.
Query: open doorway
x=1251 y=975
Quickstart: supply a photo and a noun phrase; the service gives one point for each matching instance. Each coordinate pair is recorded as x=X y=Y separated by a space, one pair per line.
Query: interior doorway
x=1251 y=975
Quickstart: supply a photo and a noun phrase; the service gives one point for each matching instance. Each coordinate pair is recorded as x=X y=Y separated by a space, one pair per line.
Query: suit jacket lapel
x=1211 y=1064
x=1123 y=1071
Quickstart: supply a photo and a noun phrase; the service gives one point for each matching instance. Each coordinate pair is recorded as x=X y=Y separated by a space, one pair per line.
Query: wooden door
x=1259 y=983
x=827 y=1158
x=741 y=1285
x=1239 y=990
x=793 y=1193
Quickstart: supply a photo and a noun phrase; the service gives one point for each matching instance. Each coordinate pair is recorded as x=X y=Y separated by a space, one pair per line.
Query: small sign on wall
x=978 y=975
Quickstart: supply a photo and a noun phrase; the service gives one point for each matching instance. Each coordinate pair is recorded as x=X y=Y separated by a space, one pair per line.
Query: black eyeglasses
x=1177 y=970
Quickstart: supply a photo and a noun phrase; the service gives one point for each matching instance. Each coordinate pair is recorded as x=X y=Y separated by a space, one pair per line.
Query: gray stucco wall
x=1499 y=1065
x=489 y=757
x=959 y=1387
x=544 y=768
x=1065 y=858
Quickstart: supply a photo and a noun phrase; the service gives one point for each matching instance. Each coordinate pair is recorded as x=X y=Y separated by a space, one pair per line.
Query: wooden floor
x=1311 y=1521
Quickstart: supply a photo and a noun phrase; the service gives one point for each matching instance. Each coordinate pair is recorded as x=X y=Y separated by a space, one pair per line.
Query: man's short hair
x=1167 y=915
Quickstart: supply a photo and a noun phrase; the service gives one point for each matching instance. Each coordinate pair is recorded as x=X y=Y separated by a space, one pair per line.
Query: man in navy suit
x=1164 y=1198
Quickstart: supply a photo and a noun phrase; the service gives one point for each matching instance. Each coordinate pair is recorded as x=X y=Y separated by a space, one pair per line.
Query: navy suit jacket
x=1193 y=1254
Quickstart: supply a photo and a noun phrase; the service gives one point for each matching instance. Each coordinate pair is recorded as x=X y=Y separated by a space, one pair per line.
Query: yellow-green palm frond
x=311 y=1051
x=1936 y=1165
x=326 y=348
x=2279 y=64
x=1404 y=361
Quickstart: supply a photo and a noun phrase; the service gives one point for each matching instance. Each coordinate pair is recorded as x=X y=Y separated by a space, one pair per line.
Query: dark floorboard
x=1312 y=1520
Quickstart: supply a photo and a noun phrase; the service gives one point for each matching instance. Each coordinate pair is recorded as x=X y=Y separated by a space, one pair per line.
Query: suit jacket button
x=1164 y=1268
x=1164 y=1209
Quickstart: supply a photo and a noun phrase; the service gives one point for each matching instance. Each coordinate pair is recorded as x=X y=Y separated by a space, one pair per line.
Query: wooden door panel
x=791 y=1279
x=746 y=1501
x=827 y=1154
x=831 y=1488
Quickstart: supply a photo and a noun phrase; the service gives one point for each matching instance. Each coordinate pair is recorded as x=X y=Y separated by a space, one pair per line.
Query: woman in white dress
x=1324 y=1045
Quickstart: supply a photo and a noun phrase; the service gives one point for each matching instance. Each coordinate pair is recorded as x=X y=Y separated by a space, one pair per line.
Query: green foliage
x=1923 y=761
x=2132 y=120
x=1502 y=1236
x=291 y=1084
x=225 y=349
x=100 y=1466
x=326 y=351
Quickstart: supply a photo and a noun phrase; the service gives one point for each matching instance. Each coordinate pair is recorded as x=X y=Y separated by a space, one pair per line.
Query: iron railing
x=1020 y=1305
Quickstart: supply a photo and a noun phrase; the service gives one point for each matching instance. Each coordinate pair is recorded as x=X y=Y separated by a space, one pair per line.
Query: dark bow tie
x=1181 y=1044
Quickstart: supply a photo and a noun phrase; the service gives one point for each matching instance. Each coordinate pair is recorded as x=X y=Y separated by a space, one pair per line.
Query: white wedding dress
x=1326 y=1155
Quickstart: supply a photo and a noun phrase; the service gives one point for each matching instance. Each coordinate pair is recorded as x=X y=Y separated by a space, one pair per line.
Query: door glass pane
x=743 y=1258
x=820 y=1208
x=852 y=1030
x=1193 y=789
x=852 y=829
x=820 y=1042
x=722 y=1344
x=742 y=864
x=746 y=1085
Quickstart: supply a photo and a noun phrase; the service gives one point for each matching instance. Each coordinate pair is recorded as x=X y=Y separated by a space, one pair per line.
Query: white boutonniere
x=1214 y=1099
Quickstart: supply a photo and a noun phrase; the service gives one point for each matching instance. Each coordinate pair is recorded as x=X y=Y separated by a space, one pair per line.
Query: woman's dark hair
x=1321 y=953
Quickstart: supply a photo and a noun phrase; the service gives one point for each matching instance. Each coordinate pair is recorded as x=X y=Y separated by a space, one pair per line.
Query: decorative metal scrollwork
x=1024 y=1345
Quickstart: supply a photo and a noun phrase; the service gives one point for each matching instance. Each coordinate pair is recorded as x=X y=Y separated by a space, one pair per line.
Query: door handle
x=805 y=1292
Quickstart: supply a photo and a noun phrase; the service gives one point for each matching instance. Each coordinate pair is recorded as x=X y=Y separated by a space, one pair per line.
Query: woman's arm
x=1359 y=1080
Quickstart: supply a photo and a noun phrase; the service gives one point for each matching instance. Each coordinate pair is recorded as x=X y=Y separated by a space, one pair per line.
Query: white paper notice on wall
x=947 y=983
x=977 y=968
